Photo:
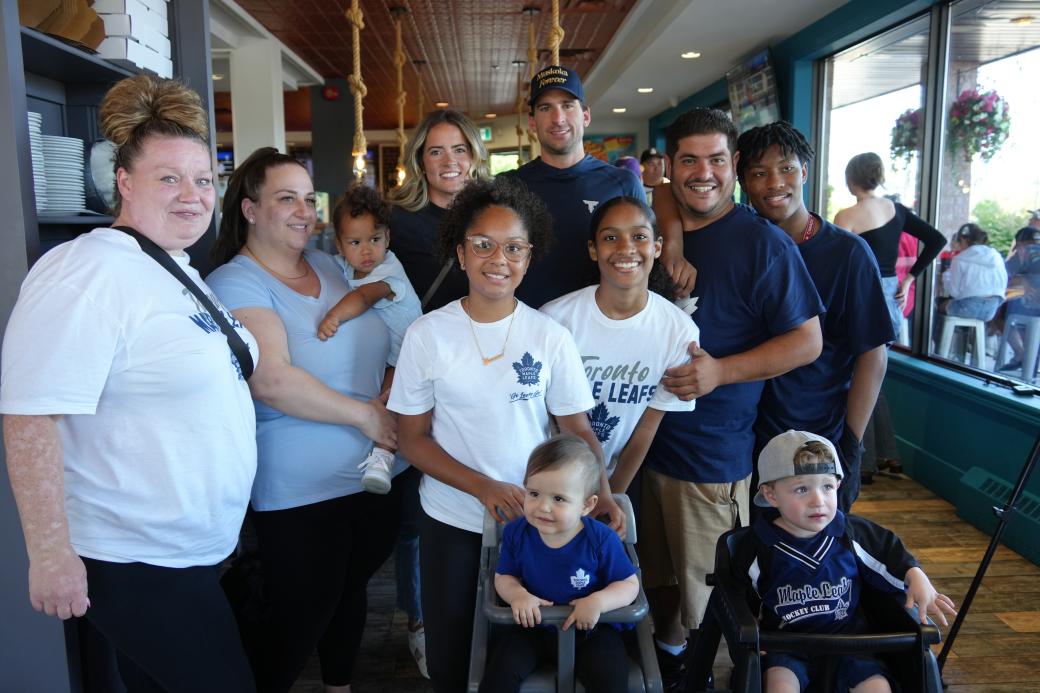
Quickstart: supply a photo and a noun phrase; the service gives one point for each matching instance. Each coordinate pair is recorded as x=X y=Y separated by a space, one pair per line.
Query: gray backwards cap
x=776 y=461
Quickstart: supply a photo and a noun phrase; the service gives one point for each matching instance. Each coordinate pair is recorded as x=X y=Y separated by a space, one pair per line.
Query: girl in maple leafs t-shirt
x=627 y=335
x=475 y=386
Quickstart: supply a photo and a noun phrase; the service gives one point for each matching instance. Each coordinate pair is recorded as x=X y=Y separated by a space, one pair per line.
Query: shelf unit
x=65 y=83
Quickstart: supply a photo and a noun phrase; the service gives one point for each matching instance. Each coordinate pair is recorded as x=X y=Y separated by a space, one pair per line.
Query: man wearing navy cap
x=652 y=162
x=570 y=183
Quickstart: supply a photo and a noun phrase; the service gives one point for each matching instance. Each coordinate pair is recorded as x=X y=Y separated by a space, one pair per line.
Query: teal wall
x=967 y=442
x=793 y=59
x=964 y=440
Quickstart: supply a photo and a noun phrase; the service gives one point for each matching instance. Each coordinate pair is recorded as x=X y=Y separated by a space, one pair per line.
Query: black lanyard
x=235 y=342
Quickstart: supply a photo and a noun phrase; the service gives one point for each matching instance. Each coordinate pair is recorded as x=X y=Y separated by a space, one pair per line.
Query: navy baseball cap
x=1027 y=234
x=556 y=77
x=650 y=154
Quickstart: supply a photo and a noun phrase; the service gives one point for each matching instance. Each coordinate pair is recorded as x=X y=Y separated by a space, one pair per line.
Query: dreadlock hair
x=754 y=143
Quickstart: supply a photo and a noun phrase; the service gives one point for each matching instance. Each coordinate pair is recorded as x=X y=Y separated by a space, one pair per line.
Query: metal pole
x=1003 y=515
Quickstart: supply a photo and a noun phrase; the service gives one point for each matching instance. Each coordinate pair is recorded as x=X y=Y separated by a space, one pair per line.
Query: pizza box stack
x=137 y=31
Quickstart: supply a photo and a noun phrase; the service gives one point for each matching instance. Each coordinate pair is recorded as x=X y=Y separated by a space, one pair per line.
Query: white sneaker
x=417 y=646
x=377 y=468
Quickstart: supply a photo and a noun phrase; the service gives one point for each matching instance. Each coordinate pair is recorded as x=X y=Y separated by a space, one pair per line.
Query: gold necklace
x=494 y=357
x=275 y=272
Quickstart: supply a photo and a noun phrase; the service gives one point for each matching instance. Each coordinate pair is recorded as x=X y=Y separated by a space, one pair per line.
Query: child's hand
x=587 y=611
x=328 y=327
x=525 y=609
x=919 y=591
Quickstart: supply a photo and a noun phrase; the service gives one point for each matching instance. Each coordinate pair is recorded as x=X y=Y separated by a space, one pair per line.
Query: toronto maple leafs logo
x=602 y=422
x=580 y=580
x=841 y=611
x=527 y=369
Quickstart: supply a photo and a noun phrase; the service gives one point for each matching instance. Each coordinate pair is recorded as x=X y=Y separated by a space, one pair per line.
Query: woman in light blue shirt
x=318 y=412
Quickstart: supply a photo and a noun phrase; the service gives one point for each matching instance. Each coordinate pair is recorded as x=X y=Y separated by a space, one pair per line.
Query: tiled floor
x=997 y=651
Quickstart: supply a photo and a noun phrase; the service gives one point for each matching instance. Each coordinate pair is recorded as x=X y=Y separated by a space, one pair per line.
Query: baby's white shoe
x=376 y=468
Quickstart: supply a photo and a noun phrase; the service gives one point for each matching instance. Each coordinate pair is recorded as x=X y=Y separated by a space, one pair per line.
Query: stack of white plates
x=36 y=147
x=63 y=162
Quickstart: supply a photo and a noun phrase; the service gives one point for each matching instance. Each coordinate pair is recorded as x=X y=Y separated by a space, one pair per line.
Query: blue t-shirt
x=571 y=194
x=751 y=286
x=300 y=462
x=587 y=563
x=815 y=397
x=807 y=585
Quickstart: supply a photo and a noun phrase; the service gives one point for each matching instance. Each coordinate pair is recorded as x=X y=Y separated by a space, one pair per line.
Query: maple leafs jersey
x=813 y=585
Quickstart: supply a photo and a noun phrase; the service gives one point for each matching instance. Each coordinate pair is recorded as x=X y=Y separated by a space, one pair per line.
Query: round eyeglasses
x=512 y=250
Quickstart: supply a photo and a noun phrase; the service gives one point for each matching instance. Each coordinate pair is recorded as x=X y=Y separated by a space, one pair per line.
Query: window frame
x=930 y=167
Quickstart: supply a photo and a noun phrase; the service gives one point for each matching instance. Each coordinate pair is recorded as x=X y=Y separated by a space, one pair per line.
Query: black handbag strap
x=436 y=283
x=234 y=340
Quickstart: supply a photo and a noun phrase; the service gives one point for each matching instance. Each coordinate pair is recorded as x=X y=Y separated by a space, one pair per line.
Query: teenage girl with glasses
x=476 y=384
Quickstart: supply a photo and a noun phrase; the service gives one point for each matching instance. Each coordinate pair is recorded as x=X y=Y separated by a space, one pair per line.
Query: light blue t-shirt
x=300 y=462
x=398 y=313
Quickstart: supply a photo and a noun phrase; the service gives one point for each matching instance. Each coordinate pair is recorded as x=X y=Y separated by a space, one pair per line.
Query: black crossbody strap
x=234 y=340
x=436 y=283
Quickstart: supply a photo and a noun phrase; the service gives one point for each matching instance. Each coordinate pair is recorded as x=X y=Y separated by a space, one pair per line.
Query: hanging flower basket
x=906 y=136
x=979 y=124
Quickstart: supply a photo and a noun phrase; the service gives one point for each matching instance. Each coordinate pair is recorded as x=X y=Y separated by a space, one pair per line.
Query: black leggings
x=600 y=659
x=449 y=561
x=317 y=560
x=172 y=627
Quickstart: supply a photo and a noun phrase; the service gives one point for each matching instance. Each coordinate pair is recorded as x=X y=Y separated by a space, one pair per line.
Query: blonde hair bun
x=150 y=101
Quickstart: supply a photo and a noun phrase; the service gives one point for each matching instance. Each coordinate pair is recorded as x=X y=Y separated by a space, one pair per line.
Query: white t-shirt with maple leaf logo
x=624 y=361
x=488 y=417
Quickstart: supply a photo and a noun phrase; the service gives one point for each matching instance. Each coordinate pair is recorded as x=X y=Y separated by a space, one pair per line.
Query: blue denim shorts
x=852 y=671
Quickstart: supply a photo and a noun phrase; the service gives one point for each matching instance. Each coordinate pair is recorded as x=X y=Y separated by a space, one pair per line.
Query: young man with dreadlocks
x=834 y=395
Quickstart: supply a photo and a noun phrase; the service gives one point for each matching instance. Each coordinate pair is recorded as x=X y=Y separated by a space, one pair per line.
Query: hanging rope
x=357 y=87
x=398 y=60
x=418 y=88
x=532 y=59
x=555 y=33
x=519 y=112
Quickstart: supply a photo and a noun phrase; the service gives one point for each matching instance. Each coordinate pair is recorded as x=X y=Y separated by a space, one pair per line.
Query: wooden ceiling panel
x=469 y=46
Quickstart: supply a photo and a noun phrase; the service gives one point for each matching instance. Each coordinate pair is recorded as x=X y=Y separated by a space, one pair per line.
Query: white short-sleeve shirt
x=487 y=417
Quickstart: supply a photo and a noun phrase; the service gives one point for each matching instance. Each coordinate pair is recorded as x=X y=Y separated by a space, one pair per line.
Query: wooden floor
x=997 y=651
x=998 y=647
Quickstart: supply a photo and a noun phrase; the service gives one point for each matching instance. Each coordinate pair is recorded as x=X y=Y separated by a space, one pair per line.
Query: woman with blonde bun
x=128 y=426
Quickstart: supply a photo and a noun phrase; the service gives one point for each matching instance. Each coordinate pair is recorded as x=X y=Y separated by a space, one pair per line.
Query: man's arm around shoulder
x=775 y=356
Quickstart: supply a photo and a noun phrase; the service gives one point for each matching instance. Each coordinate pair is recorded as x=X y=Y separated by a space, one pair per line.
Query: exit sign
x=486 y=134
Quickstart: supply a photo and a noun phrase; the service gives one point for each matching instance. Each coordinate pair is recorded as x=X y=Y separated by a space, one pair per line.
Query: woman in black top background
x=880 y=222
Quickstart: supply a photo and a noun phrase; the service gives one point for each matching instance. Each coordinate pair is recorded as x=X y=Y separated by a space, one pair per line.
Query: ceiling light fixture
x=620 y=110
x=441 y=104
x=645 y=90
x=217 y=77
x=690 y=55
x=490 y=116
x=1024 y=19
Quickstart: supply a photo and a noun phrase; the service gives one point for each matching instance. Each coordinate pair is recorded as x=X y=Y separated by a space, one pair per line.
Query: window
x=870 y=87
x=989 y=178
x=956 y=85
